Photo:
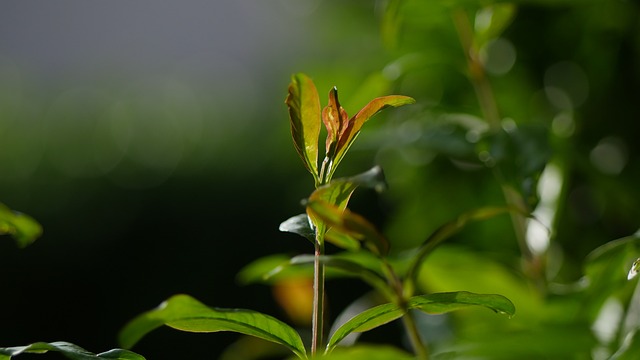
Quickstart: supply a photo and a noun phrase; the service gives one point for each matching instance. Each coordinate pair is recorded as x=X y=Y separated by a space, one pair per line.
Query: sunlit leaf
x=24 y=229
x=432 y=304
x=304 y=114
x=69 y=350
x=365 y=321
x=349 y=134
x=339 y=191
x=182 y=312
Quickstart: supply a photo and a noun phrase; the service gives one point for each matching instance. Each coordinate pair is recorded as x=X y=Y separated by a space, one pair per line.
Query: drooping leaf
x=350 y=223
x=300 y=225
x=351 y=131
x=184 y=313
x=304 y=114
x=24 y=229
x=437 y=303
x=69 y=350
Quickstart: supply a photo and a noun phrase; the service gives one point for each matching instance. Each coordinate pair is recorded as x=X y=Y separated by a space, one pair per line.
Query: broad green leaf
x=446 y=231
x=365 y=321
x=349 y=223
x=437 y=303
x=21 y=227
x=69 y=350
x=352 y=129
x=368 y=352
x=304 y=115
x=300 y=225
x=184 y=313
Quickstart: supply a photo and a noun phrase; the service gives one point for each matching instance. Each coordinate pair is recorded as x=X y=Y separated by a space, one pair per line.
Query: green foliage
x=24 y=229
x=70 y=351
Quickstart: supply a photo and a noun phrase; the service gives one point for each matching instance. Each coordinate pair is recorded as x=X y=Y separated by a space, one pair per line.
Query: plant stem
x=419 y=347
x=318 y=296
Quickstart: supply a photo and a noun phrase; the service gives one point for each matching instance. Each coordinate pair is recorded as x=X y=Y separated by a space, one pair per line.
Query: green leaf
x=365 y=321
x=437 y=303
x=184 y=313
x=339 y=191
x=368 y=352
x=24 y=229
x=270 y=269
x=303 y=103
x=492 y=20
x=69 y=350
x=353 y=126
x=446 y=231
x=300 y=225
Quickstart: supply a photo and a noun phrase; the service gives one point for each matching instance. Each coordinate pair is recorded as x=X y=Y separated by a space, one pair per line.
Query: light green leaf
x=365 y=321
x=21 y=227
x=437 y=303
x=304 y=115
x=446 y=231
x=338 y=192
x=184 y=313
x=69 y=350
x=352 y=129
x=368 y=352
x=271 y=269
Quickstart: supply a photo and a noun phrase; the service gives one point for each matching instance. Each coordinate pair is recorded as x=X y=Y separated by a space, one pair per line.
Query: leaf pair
x=305 y=115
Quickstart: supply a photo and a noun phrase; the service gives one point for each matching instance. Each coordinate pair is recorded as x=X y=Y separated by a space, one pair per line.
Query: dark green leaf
x=69 y=350
x=300 y=225
x=184 y=313
x=21 y=227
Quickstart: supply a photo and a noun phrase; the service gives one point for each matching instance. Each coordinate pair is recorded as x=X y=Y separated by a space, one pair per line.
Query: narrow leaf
x=335 y=120
x=351 y=131
x=303 y=103
x=69 y=350
x=439 y=303
x=184 y=313
x=24 y=229
x=365 y=321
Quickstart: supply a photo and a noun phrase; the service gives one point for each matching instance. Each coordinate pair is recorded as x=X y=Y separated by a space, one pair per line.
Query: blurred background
x=151 y=141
